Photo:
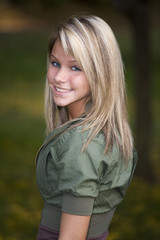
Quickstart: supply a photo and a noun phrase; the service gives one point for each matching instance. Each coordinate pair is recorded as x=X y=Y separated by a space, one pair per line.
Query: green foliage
x=138 y=215
x=23 y=60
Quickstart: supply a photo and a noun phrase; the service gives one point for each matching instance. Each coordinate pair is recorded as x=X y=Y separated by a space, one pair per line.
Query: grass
x=22 y=61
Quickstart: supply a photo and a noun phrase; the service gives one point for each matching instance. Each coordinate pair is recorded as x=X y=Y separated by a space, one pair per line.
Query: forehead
x=59 y=53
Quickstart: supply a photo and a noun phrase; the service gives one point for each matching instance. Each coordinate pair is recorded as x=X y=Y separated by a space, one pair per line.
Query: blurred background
x=25 y=27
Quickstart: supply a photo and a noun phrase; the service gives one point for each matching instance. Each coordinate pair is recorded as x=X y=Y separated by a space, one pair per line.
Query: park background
x=25 y=27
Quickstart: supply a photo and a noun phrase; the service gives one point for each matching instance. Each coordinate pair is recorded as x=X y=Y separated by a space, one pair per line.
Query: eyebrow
x=68 y=61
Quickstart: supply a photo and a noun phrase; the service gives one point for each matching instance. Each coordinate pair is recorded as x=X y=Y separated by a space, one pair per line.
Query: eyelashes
x=74 y=68
x=57 y=65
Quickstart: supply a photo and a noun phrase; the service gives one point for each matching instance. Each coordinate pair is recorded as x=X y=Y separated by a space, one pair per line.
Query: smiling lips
x=61 y=90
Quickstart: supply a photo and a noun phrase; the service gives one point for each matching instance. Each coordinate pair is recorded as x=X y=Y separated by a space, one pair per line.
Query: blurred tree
x=137 y=12
x=43 y=3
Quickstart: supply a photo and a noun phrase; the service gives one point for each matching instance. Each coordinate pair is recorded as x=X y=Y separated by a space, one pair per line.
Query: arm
x=73 y=227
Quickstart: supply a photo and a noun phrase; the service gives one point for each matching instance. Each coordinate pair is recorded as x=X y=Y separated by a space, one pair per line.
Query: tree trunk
x=142 y=50
x=137 y=12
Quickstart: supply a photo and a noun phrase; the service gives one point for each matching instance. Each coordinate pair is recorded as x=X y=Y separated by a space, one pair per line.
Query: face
x=68 y=81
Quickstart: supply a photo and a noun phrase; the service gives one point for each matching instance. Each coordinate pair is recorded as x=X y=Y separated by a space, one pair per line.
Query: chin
x=60 y=104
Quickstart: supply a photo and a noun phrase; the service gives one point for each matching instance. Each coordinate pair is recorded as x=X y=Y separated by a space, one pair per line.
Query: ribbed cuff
x=77 y=205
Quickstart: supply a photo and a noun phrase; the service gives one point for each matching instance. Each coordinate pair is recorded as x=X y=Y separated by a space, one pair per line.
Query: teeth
x=62 y=90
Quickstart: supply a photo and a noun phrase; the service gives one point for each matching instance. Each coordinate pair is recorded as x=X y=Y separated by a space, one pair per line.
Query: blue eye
x=74 y=68
x=55 y=64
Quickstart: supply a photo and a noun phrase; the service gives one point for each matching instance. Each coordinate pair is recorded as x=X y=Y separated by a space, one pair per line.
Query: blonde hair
x=92 y=43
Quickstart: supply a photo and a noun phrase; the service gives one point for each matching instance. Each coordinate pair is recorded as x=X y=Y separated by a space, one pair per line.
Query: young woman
x=87 y=160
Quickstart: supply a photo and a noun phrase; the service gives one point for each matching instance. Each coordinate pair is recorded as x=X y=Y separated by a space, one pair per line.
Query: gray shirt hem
x=51 y=216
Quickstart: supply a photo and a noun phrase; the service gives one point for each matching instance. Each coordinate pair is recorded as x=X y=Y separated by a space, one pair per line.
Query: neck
x=76 y=109
x=75 y=112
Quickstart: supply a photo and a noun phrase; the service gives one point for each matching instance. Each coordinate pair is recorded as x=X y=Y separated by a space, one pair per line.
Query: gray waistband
x=99 y=223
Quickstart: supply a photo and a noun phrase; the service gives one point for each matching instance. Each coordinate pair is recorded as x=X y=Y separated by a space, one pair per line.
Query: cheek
x=86 y=85
x=81 y=82
x=50 y=75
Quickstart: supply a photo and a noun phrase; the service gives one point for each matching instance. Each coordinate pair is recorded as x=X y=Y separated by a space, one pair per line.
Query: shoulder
x=69 y=147
x=76 y=137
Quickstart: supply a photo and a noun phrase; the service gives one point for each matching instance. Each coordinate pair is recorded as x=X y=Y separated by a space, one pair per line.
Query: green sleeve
x=80 y=171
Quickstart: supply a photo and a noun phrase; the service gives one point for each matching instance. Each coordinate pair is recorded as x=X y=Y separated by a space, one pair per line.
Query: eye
x=55 y=64
x=74 y=68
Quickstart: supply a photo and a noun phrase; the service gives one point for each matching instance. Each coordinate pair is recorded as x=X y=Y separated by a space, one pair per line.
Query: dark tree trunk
x=137 y=12
x=141 y=30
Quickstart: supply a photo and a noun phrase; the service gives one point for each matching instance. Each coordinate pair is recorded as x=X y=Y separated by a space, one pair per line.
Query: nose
x=61 y=75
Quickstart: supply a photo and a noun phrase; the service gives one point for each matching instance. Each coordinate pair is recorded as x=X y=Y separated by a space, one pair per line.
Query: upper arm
x=73 y=227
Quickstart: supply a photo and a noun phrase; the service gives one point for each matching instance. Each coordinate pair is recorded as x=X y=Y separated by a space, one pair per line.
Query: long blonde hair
x=92 y=43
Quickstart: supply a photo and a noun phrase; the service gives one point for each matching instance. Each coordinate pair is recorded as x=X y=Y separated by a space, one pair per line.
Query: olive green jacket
x=63 y=168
